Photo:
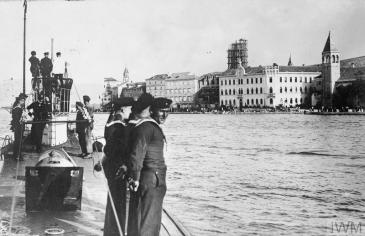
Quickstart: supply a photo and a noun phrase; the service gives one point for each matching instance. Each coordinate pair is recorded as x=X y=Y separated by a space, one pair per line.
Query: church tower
x=125 y=75
x=330 y=71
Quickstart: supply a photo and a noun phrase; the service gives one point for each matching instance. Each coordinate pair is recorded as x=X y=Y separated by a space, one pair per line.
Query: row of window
x=291 y=89
x=182 y=99
x=212 y=81
x=295 y=79
x=260 y=101
x=259 y=80
x=257 y=90
x=179 y=90
x=248 y=102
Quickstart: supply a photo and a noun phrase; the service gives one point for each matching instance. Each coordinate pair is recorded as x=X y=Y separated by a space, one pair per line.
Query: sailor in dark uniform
x=146 y=168
x=34 y=68
x=46 y=66
x=40 y=113
x=16 y=124
x=116 y=136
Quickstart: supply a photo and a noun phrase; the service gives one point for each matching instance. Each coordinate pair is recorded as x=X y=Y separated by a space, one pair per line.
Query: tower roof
x=330 y=46
x=290 y=62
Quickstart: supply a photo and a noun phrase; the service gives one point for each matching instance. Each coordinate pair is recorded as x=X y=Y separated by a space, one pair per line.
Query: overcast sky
x=100 y=37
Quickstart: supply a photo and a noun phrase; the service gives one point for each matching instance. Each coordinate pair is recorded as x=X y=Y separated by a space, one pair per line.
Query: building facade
x=208 y=90
x=181 y=89
x=109 y=94
x=133 y=90
x=269 y=86
x=156 y=85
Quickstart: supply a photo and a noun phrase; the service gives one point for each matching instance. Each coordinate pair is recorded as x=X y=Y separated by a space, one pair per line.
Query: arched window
x=248 y=91
x=251 y=80
x=291 y=100
x=328 y=59
x=291 y=89
x=271 y=101
x=226 y=92
x=248 y=101
x=290 y=79
x=301 y=100
x=222 y=82
x=229 y=82
x=270 y=90
x=234 y=102
x=333 y=59
x=281 y=90
x=256 y=81
x=296 y=100
x=310 y=80
x=230 y=102
x=305 y=80
x=270 y=79
x=305 y=89
x=281 y=79
x=225 y=82
x=234 y=92
x=230 y=92
x=221 y=92
x=260 y=80
x=337 y=59
x=260 y=90
x=252 y=102
x=234 y=82
x=261 y=101
x=285 y=89
x=295 y=80
x=301 y=90
x=252 y=91
x=222 y=103
x=248 y=81
x=257 y=90
x=226 y=102
x=257 y=102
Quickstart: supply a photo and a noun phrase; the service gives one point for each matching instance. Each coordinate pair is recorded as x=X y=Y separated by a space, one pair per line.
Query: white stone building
x=181 y=89
x=156 y=85
x=268 y=86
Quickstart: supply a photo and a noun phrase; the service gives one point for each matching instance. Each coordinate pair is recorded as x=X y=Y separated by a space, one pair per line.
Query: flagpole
x=24 y=38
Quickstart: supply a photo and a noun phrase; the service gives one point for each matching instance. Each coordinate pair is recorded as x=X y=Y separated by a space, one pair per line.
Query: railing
x=54 y=92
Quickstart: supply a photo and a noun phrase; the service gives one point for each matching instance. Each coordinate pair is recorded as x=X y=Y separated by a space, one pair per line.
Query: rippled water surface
x=279 y=174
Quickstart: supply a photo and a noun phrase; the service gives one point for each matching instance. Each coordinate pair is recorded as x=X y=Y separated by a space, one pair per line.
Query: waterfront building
x=181 y=89
x=156 y=85
x=133 y=90
x=268 y=86
x=110 y=93
x=236 y=53
x=208 y=90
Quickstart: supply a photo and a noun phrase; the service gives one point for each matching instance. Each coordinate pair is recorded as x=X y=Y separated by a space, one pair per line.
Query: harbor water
x=261 y=174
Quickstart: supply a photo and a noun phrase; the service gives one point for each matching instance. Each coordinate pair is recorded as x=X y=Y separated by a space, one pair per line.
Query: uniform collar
x=115 y=122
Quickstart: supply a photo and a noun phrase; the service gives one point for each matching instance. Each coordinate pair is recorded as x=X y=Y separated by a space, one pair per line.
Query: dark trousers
x=17 y=141
x=145 y=210
x=118 y=191
x=85 y=140
x=37 y=135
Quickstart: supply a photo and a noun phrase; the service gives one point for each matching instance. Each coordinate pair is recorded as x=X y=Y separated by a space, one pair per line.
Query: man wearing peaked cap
x=22 y=96
x=46 y=66
x=114 y=161
x=146 y=168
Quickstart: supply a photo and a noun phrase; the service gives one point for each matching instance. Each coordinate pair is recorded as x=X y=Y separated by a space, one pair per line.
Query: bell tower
x=330 y=71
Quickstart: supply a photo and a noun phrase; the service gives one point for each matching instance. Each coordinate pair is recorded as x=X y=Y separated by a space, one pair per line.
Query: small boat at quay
x=55 y=192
